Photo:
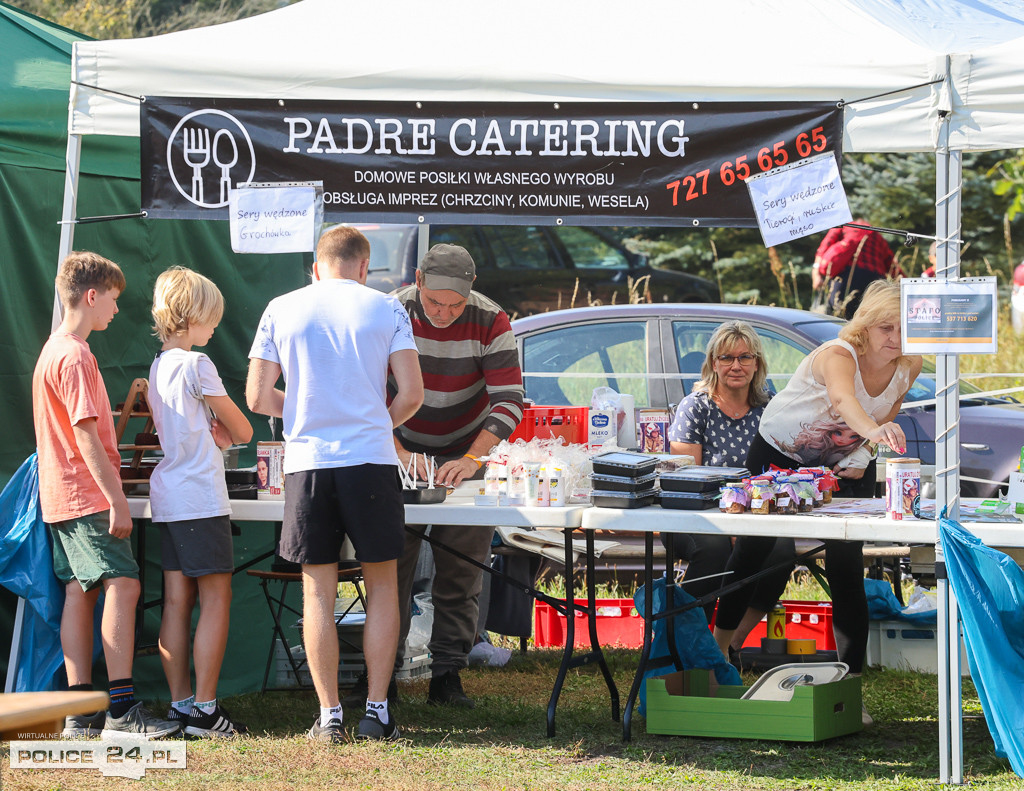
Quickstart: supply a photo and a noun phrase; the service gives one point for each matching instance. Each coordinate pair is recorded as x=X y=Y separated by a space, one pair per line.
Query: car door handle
x=975 y=446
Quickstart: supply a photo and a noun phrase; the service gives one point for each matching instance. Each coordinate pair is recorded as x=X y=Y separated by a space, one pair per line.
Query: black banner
x=593 y=163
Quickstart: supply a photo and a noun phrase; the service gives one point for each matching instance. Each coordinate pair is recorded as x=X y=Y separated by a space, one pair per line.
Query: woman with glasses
x=844 y=395
x=715 y=424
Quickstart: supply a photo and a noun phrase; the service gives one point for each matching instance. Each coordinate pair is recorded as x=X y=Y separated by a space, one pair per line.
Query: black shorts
x=322 y=507
x=197 y=547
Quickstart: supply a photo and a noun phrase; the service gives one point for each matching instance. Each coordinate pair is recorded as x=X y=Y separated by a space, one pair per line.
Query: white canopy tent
x=943 y=76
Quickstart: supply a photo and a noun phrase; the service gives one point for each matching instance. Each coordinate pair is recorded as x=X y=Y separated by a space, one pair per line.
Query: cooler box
x=618 y=624
x=904 y=645
x=681 y=704
x=805 y=620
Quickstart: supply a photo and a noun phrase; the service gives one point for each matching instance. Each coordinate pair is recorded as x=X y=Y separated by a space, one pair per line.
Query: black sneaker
x=356 y=697
x=446 y=690
x=216 y=724
x=80 y=726
x=332 y=732
x=138 y=722
x=173 y=715
x=372 y=729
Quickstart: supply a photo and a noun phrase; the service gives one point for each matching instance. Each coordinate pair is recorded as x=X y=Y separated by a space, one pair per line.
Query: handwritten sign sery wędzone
x=798 y=200
x=273 y=219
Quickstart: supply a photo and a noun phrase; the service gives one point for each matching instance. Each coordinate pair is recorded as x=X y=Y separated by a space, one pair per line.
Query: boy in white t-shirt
x=189 y=498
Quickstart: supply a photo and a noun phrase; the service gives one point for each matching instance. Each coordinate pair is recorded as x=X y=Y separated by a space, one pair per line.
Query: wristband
x=479 y=463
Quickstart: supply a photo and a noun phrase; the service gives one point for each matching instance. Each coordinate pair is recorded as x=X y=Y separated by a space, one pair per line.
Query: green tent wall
x=35 y=58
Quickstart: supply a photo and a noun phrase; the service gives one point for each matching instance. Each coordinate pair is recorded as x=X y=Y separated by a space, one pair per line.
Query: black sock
x=82 y=688
x=122 y=696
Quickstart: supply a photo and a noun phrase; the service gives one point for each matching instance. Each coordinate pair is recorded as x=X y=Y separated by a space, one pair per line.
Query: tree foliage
x=106 y=19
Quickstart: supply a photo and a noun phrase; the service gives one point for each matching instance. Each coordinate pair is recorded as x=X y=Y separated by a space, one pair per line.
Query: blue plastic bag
x=989 y=590
x=26 y=569
x=884 y=606
x=696 y=645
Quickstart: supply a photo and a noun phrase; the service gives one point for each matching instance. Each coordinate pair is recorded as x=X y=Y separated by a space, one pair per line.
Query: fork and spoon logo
x=207 y=152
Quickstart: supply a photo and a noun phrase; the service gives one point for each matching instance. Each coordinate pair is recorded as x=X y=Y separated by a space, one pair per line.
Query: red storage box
x=618 y=623
x=805 y=620
x=545 y=422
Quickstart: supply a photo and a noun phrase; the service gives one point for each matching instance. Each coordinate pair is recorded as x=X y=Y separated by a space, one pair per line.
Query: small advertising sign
x=949 y=316
x=800 y=199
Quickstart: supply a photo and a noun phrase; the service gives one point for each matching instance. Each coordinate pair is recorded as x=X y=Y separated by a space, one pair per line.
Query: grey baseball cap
x=448 y=267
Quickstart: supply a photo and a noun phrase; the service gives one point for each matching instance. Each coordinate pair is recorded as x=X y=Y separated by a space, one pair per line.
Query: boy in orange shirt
x=83 y=502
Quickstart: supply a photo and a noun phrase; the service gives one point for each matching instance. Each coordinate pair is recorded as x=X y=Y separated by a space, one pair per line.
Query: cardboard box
x=684 y=704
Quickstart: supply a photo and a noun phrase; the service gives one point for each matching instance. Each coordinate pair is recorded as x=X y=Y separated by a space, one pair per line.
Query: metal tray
x=421 y=495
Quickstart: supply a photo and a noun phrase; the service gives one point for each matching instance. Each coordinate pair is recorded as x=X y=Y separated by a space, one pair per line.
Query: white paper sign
x=273 y=219
x=797 y=200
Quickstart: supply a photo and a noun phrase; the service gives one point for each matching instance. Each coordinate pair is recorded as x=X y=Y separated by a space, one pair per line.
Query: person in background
x=473 y=399
x=930 y=270
x=860 y=378
x=847 y=261
x=715 y=424
x=83 y=502
x=334 y=342
x=189 y=496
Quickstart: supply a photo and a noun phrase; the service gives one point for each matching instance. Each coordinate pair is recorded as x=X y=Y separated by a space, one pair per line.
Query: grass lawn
x=502 y=744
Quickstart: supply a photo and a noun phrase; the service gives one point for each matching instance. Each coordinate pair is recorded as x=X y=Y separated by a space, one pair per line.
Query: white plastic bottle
x=556 y=487
x=543 y=492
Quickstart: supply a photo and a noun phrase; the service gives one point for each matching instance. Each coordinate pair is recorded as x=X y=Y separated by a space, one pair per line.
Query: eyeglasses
x=744 y=359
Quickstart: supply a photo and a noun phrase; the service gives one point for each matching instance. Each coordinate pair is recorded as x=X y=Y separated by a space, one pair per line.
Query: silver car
x=655 y=352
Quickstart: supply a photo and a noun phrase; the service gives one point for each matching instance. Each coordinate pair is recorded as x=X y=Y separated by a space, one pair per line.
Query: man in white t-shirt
x=334 y=342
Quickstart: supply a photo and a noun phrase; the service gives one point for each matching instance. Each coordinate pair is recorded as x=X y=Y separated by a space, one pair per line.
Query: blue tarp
x=26 y=569
x=696 y=645
x=989 y=589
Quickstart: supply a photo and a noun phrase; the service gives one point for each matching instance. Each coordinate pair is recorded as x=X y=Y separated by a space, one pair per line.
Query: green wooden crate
x=682 y=704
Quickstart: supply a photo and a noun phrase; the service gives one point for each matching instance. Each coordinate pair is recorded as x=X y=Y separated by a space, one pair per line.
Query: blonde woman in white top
x=844 y=395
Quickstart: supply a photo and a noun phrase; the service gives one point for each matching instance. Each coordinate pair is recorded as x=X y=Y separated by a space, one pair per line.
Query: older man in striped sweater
x=473 y=399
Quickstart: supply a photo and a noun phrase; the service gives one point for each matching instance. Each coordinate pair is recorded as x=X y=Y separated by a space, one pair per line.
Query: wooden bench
x=40 y=715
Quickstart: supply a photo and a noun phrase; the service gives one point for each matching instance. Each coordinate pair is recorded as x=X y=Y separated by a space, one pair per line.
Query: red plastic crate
x=618 y=624
x=805 y=620
x=545 y=422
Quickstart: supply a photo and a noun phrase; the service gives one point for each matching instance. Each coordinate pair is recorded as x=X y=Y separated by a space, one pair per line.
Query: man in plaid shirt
x=846 y=248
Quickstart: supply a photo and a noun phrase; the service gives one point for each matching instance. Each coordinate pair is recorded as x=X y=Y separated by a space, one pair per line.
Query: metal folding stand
x=567 y=607
x=277 y=606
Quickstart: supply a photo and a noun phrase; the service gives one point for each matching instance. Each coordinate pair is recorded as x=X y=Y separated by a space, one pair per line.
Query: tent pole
x=948 y=185
x=72 y=164
x=12 y=659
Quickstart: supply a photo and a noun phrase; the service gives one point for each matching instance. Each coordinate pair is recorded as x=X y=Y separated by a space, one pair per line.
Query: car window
x=520 y=247
x=464 y=236
x=387 y=247
x=587 y=250
x=782 y=354
x=606 y=350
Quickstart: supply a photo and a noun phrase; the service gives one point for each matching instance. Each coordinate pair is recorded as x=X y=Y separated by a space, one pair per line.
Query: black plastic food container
x=623 y=483
x=700 y=479
x=689 y=501
x=603 y=499
x=624 y=463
